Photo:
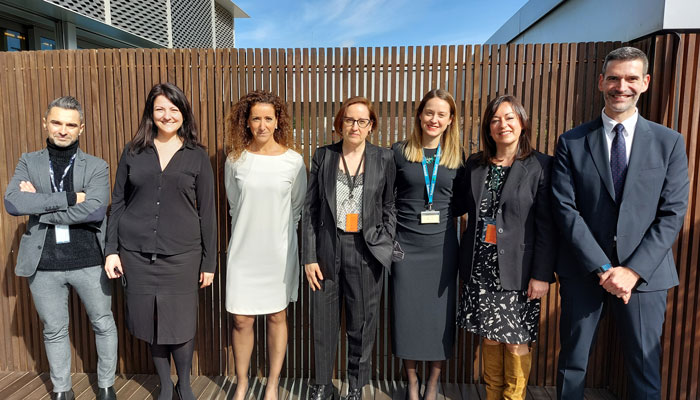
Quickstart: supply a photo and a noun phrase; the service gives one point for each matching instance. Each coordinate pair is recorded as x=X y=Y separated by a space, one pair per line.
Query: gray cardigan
x=90 y=175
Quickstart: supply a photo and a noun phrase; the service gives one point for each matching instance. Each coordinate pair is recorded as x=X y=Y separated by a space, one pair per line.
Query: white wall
x=682 y=14
x=596 y=21
x=557 y=21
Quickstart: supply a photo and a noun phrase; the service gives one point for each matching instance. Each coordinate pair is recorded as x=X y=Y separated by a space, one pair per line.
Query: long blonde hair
x=451 y=149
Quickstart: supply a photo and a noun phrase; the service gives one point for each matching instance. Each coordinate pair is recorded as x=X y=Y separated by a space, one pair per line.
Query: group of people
x=602 y=214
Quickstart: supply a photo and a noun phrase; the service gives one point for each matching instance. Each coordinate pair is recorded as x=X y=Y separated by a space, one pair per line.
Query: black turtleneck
x=83 y=250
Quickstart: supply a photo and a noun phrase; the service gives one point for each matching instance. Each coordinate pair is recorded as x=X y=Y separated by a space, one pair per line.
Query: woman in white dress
x=265 y=185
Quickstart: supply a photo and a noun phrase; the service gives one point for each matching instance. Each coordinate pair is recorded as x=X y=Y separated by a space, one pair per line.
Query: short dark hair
x=66 y=103
x=524 y=146
x=626 y=54
x=338 y=121
x=148 y=130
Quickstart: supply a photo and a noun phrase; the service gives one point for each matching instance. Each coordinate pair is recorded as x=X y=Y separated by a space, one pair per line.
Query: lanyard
x=351 y=181
x=63 y=178
x=430 y=183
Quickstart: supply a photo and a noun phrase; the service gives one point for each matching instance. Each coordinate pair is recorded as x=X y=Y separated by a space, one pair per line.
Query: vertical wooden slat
x=385 y=99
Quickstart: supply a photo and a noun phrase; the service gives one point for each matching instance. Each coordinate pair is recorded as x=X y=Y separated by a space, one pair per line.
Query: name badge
x=351 y=222
x=488 y=235
x=62 y=234
x=430 y=217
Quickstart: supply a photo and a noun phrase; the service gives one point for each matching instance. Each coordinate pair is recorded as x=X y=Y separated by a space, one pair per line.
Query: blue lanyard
x=430 y=184
x=63 y=178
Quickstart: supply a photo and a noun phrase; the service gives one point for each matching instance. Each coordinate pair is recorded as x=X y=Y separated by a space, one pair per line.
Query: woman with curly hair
x=265 y=185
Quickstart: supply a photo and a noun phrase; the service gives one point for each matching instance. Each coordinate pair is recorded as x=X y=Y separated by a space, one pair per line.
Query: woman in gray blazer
x=507 y=252
x=348 y=234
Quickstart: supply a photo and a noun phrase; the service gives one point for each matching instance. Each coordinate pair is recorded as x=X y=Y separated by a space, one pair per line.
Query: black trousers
x=358 y=284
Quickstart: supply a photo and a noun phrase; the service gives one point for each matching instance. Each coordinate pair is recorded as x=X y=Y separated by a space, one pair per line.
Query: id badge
x=488 y=234
x=62 y=234
x=430 y=217
x=351 y=222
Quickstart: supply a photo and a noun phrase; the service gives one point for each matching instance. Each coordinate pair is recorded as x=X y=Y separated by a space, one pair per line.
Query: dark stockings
x=182 y=355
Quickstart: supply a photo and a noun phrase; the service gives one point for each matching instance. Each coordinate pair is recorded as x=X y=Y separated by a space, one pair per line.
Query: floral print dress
x=485 y=308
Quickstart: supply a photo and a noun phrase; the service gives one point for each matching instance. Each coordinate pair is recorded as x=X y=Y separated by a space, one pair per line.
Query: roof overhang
x=232 y=8
x=46 y=13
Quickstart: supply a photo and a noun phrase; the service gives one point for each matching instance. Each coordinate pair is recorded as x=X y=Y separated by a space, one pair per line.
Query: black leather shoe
x=69 y=395
x=354 y=394
x=106 y=393
x=322 y=392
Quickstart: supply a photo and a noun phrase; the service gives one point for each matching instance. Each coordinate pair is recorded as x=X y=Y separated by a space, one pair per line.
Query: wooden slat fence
x=557 y=83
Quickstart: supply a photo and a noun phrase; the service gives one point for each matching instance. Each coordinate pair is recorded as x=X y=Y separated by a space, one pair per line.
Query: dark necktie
x=618 y=161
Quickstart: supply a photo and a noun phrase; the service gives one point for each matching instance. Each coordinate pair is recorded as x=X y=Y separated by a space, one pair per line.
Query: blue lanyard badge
x=430 y=183
x=59 y=187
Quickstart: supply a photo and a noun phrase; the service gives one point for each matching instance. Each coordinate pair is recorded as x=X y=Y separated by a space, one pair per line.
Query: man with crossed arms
x=65 y=193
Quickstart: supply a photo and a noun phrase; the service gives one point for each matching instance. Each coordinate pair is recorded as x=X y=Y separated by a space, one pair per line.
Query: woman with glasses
x=508 y=250
x=424 y=274
x=265 y=185
x=348 y=229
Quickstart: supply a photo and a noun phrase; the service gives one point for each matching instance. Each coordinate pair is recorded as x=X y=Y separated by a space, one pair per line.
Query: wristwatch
x=602 y=269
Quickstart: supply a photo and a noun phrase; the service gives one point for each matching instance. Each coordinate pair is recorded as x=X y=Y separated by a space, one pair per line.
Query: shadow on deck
x=35 y=386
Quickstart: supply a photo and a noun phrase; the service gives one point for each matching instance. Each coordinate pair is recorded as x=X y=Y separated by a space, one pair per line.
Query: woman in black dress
x=161 y=234
x=508 y=250
x=423 y=280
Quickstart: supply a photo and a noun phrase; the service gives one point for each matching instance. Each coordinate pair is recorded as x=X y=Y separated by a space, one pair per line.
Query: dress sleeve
x=298 y=192
x=232 y=190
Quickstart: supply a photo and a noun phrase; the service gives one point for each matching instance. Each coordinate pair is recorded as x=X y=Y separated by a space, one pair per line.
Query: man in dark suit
x=620 y=185
x=65 y=193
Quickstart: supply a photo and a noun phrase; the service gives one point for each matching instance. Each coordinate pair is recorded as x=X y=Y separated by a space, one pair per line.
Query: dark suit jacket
x=526 y=233
x=378 y=215
x=654 y=202
x=90 y=175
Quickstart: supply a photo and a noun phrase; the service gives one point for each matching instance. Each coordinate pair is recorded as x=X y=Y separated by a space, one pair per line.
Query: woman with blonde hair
x=424 y=272
x=265 y=184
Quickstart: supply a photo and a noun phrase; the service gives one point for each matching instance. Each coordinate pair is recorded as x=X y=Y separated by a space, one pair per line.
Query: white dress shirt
x=630 y=124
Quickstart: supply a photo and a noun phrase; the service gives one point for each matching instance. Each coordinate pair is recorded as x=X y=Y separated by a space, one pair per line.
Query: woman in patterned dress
x=507 y=252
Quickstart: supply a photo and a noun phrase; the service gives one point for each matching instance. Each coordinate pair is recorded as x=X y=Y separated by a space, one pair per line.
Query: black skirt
x=161 y=295
x=424 y=295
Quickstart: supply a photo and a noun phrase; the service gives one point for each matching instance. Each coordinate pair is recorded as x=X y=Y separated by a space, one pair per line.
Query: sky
x=369 y=23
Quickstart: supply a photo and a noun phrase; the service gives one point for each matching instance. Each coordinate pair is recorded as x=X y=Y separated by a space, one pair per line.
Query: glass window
x=14 y=41
x=48 y=43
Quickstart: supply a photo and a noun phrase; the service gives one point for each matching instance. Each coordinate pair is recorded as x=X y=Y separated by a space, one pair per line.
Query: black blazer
x=526 y=234
x=319 y=234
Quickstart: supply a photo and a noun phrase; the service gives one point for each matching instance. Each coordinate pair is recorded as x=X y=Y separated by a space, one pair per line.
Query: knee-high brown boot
x=493 y=370
x=516 y=372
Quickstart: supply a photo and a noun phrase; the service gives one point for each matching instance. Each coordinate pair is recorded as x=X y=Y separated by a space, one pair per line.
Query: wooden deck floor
x=34 y=386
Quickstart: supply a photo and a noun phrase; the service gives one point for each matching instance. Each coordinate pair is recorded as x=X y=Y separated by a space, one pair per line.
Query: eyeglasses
x=362 y=123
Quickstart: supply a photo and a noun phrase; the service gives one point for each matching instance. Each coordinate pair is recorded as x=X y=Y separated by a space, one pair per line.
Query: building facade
x=82 y=24
x=561 y=21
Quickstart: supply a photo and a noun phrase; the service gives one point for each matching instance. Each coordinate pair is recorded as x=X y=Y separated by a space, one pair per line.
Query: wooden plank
x=402 y=75
x=384 y=111
x=538 y=80
x=376 y=93
x=412 y=87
